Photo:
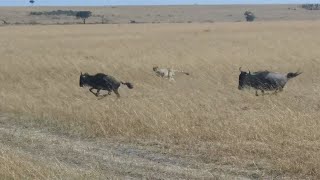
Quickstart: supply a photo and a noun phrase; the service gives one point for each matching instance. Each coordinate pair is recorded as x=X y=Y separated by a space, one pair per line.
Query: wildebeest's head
x=82 y=79
x=242 y=78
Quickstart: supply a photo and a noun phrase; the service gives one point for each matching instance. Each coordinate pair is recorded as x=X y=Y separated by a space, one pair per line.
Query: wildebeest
x=102 y=81
x=264 y=80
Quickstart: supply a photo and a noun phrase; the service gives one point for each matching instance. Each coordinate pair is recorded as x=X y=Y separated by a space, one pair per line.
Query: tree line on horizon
x=311 y=6
x=78 y=14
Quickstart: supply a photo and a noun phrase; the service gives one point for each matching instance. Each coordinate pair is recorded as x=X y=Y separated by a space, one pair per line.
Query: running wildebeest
x=102 y=81
x=264 y=80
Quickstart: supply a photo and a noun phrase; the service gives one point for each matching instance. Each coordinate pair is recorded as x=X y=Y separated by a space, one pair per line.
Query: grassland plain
x=159 y=14
x=202 y=116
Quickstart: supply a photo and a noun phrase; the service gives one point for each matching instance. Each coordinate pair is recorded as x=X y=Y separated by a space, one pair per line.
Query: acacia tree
x=249 y=16
x=83 y=15
x=31 y=2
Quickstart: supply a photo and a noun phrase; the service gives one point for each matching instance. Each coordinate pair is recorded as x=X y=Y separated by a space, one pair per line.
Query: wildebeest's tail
x=129 y=85
x=292 y=75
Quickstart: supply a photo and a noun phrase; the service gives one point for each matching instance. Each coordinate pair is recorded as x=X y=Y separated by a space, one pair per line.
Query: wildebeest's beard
x=82 y=81
x=242 y=79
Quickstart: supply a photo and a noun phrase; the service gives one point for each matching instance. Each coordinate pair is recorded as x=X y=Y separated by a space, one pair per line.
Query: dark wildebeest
x=264 y=80
x=102 y=81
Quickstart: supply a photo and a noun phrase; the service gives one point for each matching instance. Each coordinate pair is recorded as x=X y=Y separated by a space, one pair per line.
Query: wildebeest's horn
x=240 y=69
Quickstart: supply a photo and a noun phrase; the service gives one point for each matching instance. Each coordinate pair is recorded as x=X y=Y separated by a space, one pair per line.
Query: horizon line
x=195 y=4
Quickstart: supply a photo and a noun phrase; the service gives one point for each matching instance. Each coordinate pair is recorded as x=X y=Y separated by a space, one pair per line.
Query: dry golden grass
x=203 y=114
x=17 y=166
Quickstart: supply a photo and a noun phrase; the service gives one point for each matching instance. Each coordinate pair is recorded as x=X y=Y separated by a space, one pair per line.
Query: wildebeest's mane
x=261 y=72
x=99 y=74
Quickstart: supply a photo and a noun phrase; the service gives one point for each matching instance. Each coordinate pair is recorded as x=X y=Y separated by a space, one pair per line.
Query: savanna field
x=203 y=115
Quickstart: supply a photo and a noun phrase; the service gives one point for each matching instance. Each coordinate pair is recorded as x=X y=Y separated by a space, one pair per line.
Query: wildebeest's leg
x=275 y=92
x=116 y=92
x=281 y=89
x=101 y=97
x=257 y=93
x=262 y=92
x=109 y=93
x=98 y=92
x=94 y=92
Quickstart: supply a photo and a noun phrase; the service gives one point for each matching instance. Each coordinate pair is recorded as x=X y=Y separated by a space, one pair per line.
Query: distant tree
x=249 y=16
x=54 y=13
x=83 y=15
x=31 y=2
x=311 y=6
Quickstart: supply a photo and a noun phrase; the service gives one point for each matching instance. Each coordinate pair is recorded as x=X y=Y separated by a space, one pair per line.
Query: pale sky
x=144 y=2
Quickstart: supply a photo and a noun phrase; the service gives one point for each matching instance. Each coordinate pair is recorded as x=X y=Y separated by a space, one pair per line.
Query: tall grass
x=40 y=68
